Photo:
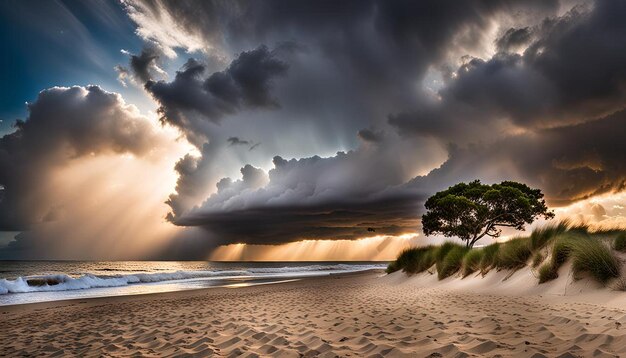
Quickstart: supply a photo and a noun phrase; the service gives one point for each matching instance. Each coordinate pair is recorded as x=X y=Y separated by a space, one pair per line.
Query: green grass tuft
x=541 y=236
x=452 y=261
x=443 y=250
x=513 y=254
x=547 y=272
x=538 y=258
x=392 y=267
x=620 y=242
x=595 y=258
x=423 y=261
x=471 y=261
x=490 y=254
x=414 y=260
x=562 y=249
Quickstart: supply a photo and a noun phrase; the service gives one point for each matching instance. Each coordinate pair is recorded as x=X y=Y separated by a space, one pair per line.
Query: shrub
x=452 y=261
x=593 y=257
x=540 y=237
x=537 y=259
x=471 y=262
x=620 y=242
x=513 y=254
x=547 y=272
x=490 y=253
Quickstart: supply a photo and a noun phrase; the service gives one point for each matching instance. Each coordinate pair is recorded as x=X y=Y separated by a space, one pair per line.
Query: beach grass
x=490 y=254
x=452 y=262
x=546 y=249
x=472 y=261
x=538 y=258
x=620 y=242
x=513 y=254
x=595 y=258
x=547 y=272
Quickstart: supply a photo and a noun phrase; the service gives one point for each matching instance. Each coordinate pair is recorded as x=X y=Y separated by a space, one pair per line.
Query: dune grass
x=547 y=272
x=538 y=258
x=472 y=260
x=414 y=260
x=562 y=248
x=541 y=236
x=620 y=242
x=595 y=258
x=490 y=254
x=424 y=261
x=545 y=249
x=408 y=258
x=513 y=254
x=392 y=267
x=452 y=261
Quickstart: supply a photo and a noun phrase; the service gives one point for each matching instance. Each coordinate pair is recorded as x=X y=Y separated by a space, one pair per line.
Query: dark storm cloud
x=370 y=135
x=354 y=62
x=568 y=163
x=357 y=67
x=574 y=71
x=192 y=97
x=291 y=203
x=275 y=225
x=513 y=39
x=63 y=124
x=141 y=64
x=350 y=63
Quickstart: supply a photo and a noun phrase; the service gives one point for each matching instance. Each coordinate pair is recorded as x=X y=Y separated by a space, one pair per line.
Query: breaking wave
x=62 y=282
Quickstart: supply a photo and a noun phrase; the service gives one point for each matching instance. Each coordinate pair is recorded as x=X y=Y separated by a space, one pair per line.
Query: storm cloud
x=190 y=99
x=573 y=71
x=374 y=95
x=63 y=125
x=364 y=109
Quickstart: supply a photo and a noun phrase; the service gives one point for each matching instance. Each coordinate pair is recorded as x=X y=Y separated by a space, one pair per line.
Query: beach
x=361 y=315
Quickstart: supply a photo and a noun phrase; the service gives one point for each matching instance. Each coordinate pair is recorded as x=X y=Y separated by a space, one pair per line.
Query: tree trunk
x=470 y=243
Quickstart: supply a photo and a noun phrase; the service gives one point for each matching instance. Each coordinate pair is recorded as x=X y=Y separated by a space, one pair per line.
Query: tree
x=474 y=210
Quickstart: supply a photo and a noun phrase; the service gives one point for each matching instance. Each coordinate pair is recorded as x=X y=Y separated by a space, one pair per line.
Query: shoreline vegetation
x=596 y=255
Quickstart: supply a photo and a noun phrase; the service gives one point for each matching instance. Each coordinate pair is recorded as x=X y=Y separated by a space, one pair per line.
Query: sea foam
x=62 y=282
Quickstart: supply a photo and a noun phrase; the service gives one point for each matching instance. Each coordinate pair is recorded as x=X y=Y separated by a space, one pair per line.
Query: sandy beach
x=359 y=315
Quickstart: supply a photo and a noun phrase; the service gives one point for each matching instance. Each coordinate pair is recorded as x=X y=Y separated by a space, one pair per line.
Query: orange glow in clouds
x=375 y=248
x=111 y=206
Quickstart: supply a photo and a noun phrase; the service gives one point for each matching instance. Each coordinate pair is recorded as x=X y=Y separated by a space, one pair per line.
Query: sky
x=300 y=130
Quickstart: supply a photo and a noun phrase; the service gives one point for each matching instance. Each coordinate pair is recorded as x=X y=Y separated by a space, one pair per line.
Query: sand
x=364 y=315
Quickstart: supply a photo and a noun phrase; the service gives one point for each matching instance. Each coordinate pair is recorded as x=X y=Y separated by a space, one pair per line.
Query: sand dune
x=363 y=315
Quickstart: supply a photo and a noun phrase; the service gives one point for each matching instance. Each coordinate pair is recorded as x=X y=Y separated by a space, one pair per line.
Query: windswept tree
x=474 y=210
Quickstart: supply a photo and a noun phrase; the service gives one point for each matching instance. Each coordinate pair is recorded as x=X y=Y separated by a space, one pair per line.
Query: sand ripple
x=359 y=316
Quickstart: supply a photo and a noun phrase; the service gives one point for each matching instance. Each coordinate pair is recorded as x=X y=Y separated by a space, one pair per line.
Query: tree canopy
x=473 y=210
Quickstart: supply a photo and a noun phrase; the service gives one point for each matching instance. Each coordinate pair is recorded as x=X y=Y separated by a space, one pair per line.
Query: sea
x=41 y=281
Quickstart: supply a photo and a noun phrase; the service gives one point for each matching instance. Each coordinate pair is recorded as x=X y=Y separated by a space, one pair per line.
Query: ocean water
x=39 y=281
